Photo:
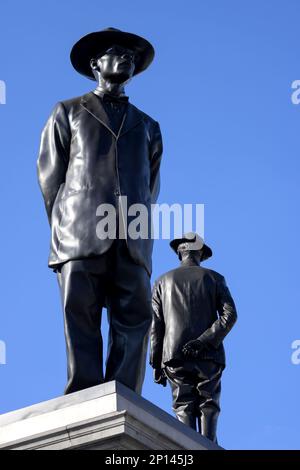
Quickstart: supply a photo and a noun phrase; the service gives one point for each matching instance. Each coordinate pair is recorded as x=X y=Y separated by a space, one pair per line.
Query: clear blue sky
x=220 y=87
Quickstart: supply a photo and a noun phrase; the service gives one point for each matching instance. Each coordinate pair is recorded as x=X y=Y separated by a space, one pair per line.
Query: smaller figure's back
x=189 y=297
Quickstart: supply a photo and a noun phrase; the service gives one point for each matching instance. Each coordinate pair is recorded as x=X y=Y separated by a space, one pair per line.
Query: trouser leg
x=184 y=395
x=82 y=291
x=129 y=314
x=209 y=389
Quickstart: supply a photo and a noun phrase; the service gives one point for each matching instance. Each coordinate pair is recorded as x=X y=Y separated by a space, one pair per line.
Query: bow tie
x=106 y=97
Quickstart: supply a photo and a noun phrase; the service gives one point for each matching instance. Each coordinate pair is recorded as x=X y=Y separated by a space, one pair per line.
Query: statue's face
x=116 y=64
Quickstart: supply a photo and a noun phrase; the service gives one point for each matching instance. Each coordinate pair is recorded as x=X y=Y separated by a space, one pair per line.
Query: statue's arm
x=227 y=317
x=157 y=332
x=53 y=157
x=155 y=160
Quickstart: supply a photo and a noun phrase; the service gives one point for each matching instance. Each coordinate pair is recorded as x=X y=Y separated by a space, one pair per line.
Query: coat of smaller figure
x=193 y=311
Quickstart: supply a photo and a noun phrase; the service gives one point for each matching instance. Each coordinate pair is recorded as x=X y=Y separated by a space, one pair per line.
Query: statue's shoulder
x=145 y=116
x=70 y=103
x=202 y=271
x=166 y=276
x=210 y=272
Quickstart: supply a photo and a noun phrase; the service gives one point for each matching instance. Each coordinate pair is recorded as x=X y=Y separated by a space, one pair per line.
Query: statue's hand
x=192 y=348
x=159 y=377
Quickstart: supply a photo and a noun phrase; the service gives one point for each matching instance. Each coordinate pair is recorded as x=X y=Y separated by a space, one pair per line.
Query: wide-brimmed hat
x=192 y=241
x=93 y=44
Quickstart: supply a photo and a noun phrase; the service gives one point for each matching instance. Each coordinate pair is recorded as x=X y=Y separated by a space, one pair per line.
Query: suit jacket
x=190 y=302
x=83 y=163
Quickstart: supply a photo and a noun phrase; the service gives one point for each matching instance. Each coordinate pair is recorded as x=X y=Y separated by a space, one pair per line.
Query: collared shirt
x=115 y=107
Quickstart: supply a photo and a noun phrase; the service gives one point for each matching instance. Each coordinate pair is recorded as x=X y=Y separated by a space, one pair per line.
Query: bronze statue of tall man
x=95 y=149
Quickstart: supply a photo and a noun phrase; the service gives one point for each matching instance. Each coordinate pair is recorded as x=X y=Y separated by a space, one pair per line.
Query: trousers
x=196 y=389
x=112 y=280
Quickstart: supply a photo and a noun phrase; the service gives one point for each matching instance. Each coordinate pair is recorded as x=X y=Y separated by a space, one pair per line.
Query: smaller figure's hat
x=93 y=44
x=192 y=241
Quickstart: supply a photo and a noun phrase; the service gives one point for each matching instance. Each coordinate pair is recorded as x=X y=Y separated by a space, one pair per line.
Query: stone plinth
x=109 y=416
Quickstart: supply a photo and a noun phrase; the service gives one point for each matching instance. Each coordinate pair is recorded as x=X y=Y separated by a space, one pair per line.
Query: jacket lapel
x=91 y=103
x=132 y=119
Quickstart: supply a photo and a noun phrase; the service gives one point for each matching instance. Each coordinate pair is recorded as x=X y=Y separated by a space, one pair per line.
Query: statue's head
x=184 y=252
x=114 y=54
x=191 y=245
x=116 y=64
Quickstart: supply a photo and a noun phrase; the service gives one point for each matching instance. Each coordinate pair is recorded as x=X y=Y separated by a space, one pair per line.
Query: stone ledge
x=109 y=416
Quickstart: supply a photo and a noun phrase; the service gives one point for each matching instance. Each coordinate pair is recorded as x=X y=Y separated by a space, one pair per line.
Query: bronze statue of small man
x=193 y=311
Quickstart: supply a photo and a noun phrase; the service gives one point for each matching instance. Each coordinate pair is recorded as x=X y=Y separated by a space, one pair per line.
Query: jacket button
x=117 y=192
